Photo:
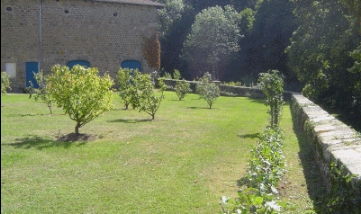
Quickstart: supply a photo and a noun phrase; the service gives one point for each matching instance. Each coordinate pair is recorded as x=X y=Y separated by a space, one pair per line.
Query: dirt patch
x=72 y=137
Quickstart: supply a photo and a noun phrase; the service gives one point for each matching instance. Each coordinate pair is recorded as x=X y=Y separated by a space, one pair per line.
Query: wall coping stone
x=332 y=139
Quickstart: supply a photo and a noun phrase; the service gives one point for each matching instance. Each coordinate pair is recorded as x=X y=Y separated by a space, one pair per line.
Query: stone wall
x=57 y=31
x=330 y=138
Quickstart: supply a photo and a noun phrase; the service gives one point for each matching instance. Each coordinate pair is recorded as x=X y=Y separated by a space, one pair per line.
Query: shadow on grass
x=195 y=107
x=40 y=143
x=130 y=120
x=32 y=115
x=316 y=185
x=252 y=136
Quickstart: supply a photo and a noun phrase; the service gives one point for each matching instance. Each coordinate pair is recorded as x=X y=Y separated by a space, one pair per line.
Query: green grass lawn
x=182 y=162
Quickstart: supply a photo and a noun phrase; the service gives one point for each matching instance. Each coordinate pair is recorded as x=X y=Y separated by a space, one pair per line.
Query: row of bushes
x=258 y=192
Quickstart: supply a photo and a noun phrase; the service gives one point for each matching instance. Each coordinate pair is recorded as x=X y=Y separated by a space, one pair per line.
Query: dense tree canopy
x=314 y=44
x=213 y=39
x=320 y=53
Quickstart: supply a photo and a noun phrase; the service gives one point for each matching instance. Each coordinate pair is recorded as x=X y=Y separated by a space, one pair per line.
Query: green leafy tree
x=171 y=13
x=42 y=92
x=182 y=88
x=81 y=93
x=126 y=79
x=207 y=90
x=149 y=102
x=5 y=82
x=212 y=41
x=319 y=52
x=272 y=86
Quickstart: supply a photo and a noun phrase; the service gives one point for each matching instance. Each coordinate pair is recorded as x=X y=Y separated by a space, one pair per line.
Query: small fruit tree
x=182 y=88
x=5 y=83
x=149 y=102
x=126 y=80
x=272 y=86
x=207 y=90
x=81 y=93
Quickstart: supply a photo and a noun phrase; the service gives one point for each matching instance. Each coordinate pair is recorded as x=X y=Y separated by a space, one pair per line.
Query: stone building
x=107 y=34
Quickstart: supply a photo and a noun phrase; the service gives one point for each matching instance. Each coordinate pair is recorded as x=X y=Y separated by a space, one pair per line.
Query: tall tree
x=320 y=52
x=212 y=41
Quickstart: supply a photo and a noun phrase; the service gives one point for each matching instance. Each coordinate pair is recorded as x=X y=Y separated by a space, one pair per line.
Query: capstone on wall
x=57 y=31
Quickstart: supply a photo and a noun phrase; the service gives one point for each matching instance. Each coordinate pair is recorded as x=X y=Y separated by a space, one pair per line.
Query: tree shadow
x=40 y=143
x=33 y=115
x=252 y=136
x=194 y=107
x=130 y=120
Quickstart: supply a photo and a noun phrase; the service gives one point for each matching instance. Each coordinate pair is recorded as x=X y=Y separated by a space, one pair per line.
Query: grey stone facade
x=103 y=32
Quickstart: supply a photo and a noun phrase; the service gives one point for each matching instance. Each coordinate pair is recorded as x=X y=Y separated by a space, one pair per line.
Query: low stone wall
x=226 y=90
x=331 y=139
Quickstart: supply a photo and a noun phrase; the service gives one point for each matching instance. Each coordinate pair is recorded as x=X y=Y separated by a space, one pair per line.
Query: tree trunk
x=77 y=128
x=272 y=116
x=51 y=111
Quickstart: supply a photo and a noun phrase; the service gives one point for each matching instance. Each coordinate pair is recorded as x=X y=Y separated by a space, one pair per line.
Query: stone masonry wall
x=103 y=33
x=330 y=138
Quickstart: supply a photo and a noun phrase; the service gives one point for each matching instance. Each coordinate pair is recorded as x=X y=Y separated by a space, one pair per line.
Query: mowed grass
x=182 y=162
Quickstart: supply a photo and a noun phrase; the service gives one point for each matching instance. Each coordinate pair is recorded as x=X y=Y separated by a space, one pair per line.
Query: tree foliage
x=81 y=93
x=148 y=99
x=42 y=93
x=126 y=79
x=182 y=88
x=5 y=82
x=213 y=39
x=272 y=86
x=207 y=90
x=319 y=53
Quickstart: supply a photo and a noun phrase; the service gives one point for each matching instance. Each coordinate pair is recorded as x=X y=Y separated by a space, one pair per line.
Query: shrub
x=176 y=74
x=125 y=79
x=5 y=82
x=207 y=90
x=271 y=84
x=182 y=88
x=81 y=93
x=145 y=93
x=266 y=168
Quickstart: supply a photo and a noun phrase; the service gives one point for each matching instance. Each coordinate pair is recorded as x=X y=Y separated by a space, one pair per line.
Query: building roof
x=139 y=2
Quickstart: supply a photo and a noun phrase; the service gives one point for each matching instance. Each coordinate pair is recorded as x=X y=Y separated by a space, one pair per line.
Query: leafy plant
x=148 y=101
x=266 y=168
x=176 y=74
x=342 y=198
x=271 y=84
x=5 y=82
x=182 y=88
x=126 y=79
x=167 y=75
x=81 y=93
x=207 y=90
x=42 y=92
